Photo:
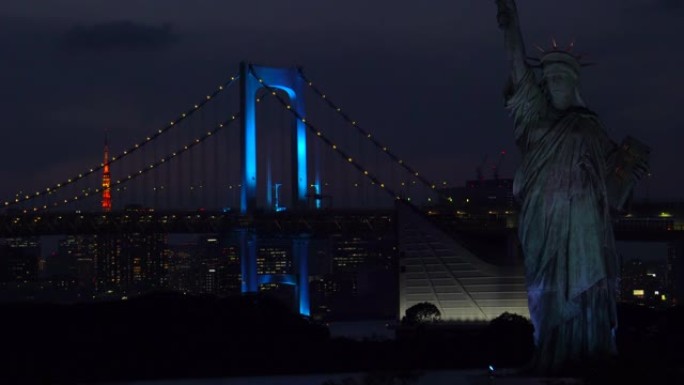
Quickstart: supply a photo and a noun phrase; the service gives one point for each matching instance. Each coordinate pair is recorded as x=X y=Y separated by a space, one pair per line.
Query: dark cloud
x=670 y=4
x=671 y=8
x=429 y=70
x=119 y=36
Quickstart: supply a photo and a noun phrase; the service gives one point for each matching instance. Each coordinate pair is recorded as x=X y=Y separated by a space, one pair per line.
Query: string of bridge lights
x=358 y=185
x=366 y=134
x=150 y=167
x=183 y=116
x=54 y=188
x=324 y=138
x=162 y=187
x=342 y=153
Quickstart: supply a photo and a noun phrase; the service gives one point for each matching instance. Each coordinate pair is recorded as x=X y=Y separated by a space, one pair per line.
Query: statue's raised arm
x=507 y=17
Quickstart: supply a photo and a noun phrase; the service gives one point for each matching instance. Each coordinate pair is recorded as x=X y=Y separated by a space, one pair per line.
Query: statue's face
x=560 y=85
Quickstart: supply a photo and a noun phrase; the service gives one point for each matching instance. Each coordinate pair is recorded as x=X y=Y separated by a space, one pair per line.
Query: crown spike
x=556 y=54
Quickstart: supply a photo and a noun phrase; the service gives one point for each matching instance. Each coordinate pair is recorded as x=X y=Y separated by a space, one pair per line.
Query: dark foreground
x=164 y=336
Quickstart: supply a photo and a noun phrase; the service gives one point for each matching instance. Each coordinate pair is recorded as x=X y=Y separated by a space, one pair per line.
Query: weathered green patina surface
x=565 y=227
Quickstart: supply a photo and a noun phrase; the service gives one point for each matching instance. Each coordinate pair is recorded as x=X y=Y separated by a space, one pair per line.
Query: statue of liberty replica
x=571 y=177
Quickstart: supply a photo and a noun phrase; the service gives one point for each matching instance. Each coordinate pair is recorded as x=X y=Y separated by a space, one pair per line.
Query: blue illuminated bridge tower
x=252 y=79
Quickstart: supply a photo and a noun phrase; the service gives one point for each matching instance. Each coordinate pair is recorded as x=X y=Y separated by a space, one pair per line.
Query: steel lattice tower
x=106 y=179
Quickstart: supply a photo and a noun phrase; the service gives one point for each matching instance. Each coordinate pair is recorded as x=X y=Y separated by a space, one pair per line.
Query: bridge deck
x=312 y=222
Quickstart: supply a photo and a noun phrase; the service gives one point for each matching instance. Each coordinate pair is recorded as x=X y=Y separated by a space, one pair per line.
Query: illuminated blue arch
x=288 y=80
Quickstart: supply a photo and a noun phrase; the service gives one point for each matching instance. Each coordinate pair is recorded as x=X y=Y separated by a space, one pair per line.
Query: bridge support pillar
x=300 y=254
x=289 y=81
x=248 y=261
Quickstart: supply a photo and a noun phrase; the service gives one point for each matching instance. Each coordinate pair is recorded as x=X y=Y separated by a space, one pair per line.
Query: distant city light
x=638 y=293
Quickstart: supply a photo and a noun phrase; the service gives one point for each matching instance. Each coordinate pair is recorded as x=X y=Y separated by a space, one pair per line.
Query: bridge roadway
x=646 y=229
x=309 y=222
x=314 y=222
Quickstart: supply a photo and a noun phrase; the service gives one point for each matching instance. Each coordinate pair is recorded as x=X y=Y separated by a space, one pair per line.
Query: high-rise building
x=211 y=265
x=274 y=257
x=75 y=261
x=644 y=283
x=142 y=257
x=229 y=279
x=19 y=259
x=131 y=262
x=216 y=266
x=180 y=262
x=353 y=274
x=108 y=263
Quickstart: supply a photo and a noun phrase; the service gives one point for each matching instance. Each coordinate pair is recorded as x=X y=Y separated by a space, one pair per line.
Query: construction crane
x=497 y=167
x=480 y=176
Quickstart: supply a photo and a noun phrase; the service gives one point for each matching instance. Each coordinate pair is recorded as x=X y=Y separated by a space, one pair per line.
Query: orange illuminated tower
x=106 y=180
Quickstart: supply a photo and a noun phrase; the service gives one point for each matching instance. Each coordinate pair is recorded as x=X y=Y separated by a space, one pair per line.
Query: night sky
x=432 y=70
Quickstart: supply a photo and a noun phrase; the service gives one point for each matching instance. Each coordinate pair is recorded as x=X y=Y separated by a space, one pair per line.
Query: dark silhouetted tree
x=510 y=340
x=421 y=313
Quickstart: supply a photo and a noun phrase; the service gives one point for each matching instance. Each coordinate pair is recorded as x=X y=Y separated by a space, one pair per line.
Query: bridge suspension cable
x=52 y=189
x=366 y=134
x=120 y=182
x=317 y=132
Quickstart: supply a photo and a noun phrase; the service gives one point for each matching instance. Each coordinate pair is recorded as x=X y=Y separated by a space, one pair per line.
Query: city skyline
x=242 y=189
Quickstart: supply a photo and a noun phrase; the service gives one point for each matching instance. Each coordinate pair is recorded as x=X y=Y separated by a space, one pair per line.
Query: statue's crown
x=557 y=54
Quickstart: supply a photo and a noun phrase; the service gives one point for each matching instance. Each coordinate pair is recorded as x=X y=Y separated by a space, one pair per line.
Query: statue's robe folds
x=564 y=228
